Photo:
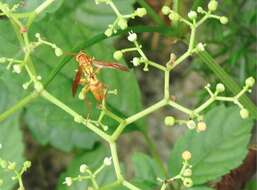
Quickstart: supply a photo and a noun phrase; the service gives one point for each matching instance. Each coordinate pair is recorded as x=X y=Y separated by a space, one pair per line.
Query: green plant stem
x=78 y=118
x=180 y=108
x=130 y=186
x=145 y=112
x=116 y=162
x=166 y=85
x=43 y=6
x=26 y=100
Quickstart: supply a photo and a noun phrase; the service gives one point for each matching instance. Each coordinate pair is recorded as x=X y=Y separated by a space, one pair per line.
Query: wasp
x=86 y=75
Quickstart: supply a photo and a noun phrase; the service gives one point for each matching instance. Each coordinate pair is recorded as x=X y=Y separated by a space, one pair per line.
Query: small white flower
x=136 y=61
x=192 y=15
x=132 y=37
x=17 y=69
x=191 y=124
x=220 y=87
x=83 y=168
x=68 y=181
x=108 y=161
x=200 y=47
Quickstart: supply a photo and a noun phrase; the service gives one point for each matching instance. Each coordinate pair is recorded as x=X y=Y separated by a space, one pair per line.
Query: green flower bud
x=11 y=166
x=83 y=168
x=213 y=5
x=244 y=113
x=17 y=69
x=192 y=15
x=174 y=16
x=118 y=55
x=187 y=172
x=3 y=164
x=220 y=87
x=165 y=10
x=250 y=81
x=141 y=12
x=200 y=10
x=68 y=181
x=108 y=32
x=27 y=164
x=187 y=182
x=223 y=20
x=123 y=23
x=169 y=121
x=58 y=52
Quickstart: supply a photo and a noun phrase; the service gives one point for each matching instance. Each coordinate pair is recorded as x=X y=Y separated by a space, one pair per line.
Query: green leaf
x=94 y=160
x=218 y=150
x=145 y=168
x=30 y=5
x=251 y=185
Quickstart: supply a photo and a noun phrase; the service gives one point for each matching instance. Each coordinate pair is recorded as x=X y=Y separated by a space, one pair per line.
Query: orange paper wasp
x=86 y=75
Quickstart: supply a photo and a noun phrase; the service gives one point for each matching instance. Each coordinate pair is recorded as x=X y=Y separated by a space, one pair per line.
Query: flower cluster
x=185 y=173
x=87 y=174
x=9 y=166
x=121 y=22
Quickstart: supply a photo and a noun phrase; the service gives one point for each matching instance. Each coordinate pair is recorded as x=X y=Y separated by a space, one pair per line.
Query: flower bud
x=200 y=47
x=1 y=182
x=58 y=52
x=169 y=121
x=141 y=12
x=213 y=5
x=83 y=168
x=165 y=10
x=108 y=161
x=186 y=155
x=132 y=37
x=17 y=69
x=250 y=81
x=118 y=55
x=68 y=181
x=200 y=10
x=220 y=87
x=11 y=166
x=27 y=164
x=223 y=20
x=192 y=15
x=108 y=32
x=201 y=126
x=187 y=172
x=187 y=182
x=123 y=23
x=244 y=113
x=136 y=61
x=191 y=124
x=174 y=16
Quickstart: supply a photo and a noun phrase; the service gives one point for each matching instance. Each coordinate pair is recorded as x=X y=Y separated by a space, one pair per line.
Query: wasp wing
x=110 y=65
x=76 y=81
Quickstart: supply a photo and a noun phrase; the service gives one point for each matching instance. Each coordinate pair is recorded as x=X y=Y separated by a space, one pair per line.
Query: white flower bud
x=17 y=69
x=68 y=181
x=108 y=161
x=191 y=124
x=200 y=47
x=83 y=168
x=187 y=172
x=132 y=37
x=136 y=61
x=174 y=16
x=192 y=15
